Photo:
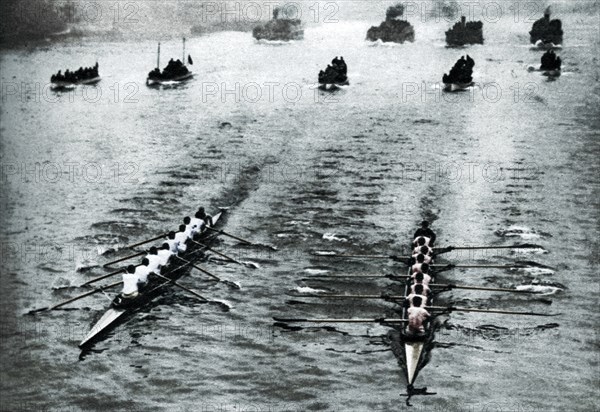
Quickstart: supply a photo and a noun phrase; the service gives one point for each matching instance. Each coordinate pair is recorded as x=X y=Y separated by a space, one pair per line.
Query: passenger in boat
x=130 y=283
x=417 y=316
x=172 y=242
x=421 y=278
x=418 y=292
x=426 y=232
x=153 y=260
x=164 y=254
x=181 y=238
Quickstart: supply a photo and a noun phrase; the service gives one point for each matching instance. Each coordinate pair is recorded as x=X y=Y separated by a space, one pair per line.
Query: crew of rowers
x=135 y=278
x=336 y=72
x=415 y=302
x=77 y=75
x=175 y=68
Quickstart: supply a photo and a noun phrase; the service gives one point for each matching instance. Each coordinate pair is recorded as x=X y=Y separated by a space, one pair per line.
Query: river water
x=513 y=160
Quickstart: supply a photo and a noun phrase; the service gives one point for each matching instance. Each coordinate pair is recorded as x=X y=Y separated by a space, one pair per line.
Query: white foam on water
x=541 y=289
x=332 y=236
x=306 y=289
x=316 y=271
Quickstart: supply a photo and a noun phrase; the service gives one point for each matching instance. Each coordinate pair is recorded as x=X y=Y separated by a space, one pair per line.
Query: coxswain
x=164 y=254
x=181 y=238
x=421 y=278
x=206 y=217
x=425 y=231
x=172 y=242
x=153 y=260
x=418 y=292
x=417 y=315
x=130 y=283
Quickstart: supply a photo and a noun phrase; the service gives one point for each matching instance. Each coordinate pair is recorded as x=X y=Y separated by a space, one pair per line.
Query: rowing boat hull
x=65 y=84
x=174 y=80
x=173 y=271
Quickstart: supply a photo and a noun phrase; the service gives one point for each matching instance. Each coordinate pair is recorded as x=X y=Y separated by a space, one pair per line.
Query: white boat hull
x=64 y=84
x=109 y=317
x=455 y=87
x=413 y=352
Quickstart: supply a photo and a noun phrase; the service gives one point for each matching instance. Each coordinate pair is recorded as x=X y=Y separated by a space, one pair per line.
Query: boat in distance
x=172 y=271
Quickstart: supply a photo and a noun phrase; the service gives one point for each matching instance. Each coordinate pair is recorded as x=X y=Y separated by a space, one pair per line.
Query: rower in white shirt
x=172 y=242
x=421 y=278
x=417 y=315
x=164 y=254
x=153 y=260
x=421 y=258
x=421 y=241
x=418 y=291
x=188 y=227
x=197 y=223
x=130 y=283
x=142 y=271
x=425 y=250
x=420 y=267
x=181 y=238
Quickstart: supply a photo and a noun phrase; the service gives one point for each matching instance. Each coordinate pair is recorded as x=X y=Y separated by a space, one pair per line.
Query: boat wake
x=332 y=236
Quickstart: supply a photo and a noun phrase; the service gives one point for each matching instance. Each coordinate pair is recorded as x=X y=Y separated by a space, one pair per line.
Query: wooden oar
x=217 y=252
x=212 y=302
x=83 y=295
x=146 y=241
x=328 y=296
x=240 y=239
x=502 y=312
x=376 y=320
x=403 y=259
x=450 y=286
x=518 y=246
x=125 y=258
x=116 y=272
x=215 y=277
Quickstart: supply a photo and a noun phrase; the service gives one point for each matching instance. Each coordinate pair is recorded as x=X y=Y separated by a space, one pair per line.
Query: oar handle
x=66 y=302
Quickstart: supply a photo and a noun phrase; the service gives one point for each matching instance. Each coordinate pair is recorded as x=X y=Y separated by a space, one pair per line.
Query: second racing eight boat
x=170 y=273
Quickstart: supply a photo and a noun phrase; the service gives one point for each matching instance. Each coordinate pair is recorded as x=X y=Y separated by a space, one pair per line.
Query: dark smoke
x=394 y=11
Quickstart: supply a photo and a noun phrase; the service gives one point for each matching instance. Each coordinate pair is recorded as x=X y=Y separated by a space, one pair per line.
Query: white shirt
x=426 y=289
x=142 y=273
x=130 y=281
x=426 y=260
x=197 y=225
x=172 y=245
x=427 y=240
x=189 y=231
x=410 y=298
x=416 y=317
x=426 y=279
x=416 y=268
x=154 y=263
x=181 y=237
x=164 y=256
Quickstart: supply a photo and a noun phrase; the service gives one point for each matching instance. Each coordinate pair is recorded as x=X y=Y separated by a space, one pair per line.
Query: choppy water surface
x=350 y=172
